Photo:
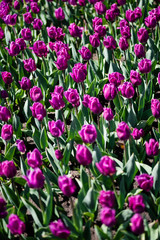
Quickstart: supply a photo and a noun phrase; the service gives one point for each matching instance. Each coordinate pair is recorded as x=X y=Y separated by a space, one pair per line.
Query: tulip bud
x=136 y=203
x=83 y=155
x=88 y=133
x=15 y=225
x=137 y=226
x=56 y=128
x=123 y=131
x=7 y=132
x=67 y=185
x=152 y=147
x=145 y=181
x=106 y=166
x=106 y=199
x=107 y=216
x=35 y=178
x=155 y=108
x=34 y=158
x=59 y=230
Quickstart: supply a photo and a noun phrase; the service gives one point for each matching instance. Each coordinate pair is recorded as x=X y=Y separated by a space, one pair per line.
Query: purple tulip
x=150 y=21
x=72 y=97
x=156 y=13
x=139 y=50
x=57 y=101
x=28 y=17
x=106 y=166
x=14 y=49
x=130 y=15
x=9 y=169
x=94 y=105
x=85 y=53
x=138 y=12
x=152 y=147
x=86 y=99
x=34 y=158
x=106 y=199
x=56 y=128
x=26 y=34
x=75 y=31
x=58 y=45
x=16 y=5
x=15 y=225
x=34 y=7
x=136 y=203
x=72 y=2
x=40 y=49
x=137 y=133
x=37 y=24
x=145 y=65
x=7 y=77
x=115 y=9
x=123 y=44
x=64 y=52
x=142 y=35
x=121 y=2
x=29 y=65
x=145 y=181
x=159 y=78
x=137 y=226
x=21 y=43
x=97 y=21
x=1 y=33
x=123 y=23
x=83 y=155
x=127 y=89
x=4 y=9
x=35 y=178
x=79 y=72
x=62 y=62
x=10 y=19
x=125 y=32
x=135 y=78
x=82 y=3
x=38 y=111
x=59 y=90
x=100 y=30
x=3 y=212
x=100 y=8
x=52 y=32
x=108 y=114
x=59 y=230
x=94 y=40
x=36 y=94
x=7 y=132
x=110 y=15
x=109 y=91
x=110 y=43
x=58 y=154
x=115 y=78
x=67 y=185
x=88 y=133
x=21 y=146
x=107 y=216
x=25 y=83
x=59 y=14
x=123 y=131
x=5 y=114
x=155 y=107
x=3 y=94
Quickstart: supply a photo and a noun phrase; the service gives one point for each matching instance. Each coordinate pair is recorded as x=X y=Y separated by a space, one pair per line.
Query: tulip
x=110 y=43
x=35 y=178
x=67 y=185
x=15 y=225
x=3 y=212
x=109 y=91
x=145 y=181
x=25 y=83
x=145 y=65
x=85 y=53
x=75 y=31
x=58 y=154
x=38 y=111
x=142 y=35
x=26 y=34
x=59 y=230
x=123 y=131
x=100 y=8
x=106 y=199
x=107 y=216
x=150 y=21
x=29 y=65
x=108 y=114
x=135 y=78
x=106 y=166
x=136 y=203
x=21 y=43
x=152 y=147
x=83 y=155
x=79 y=72
x=57 y=101
x=139 y=50
x=155 y=108
x=72 y=97
x=62 y=62
x=8 y=169
x=115 y=78
x=127 y=90
x=37 y=24
x=123 y=44
x=36 y=94
x=34 y=7
x=28 y=17
x=96 y=21
x=59 y=14
x=7 y=77
x=94 y=105
x=94 y=40
x=21 y=146
x=88 y=133
x=56 y=128
x=40 y=49
x=5 y=114
x=34 y=158
x=7 y=132
x=110 y=15
x=137 y=226
x=137 y=134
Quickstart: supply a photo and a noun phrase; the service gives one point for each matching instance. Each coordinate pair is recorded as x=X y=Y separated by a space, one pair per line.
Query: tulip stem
x=14 y=187
x=115 y=192
x=5 y=147
x=40 y=201
x=146 y=79
x=83 y=87
x=58 y=144
x=98 y=121
x=64 y=120
x=125 y=153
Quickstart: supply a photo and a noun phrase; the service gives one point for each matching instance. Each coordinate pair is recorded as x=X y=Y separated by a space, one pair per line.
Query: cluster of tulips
x=79 y=119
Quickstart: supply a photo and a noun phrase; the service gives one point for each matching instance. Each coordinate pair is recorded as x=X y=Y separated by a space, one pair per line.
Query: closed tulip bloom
x=5 y=114
x=121 y=2
x=106 y=198
x=57 y=101
x=82 y=2
x=36 y=94
x=125 y=32
x=59 y=230
x=156 y=13
x=152 y=147
x=88 y=133
x=29 y=65
x=97 y=21
x=155 y=108
x=1 y=33
x=7 y=77
x=86 y=99
x=137 y=226
x=56 y=128
x=127 y=89
x=14 y=49
x=25 y=83
x=26 y=34
x=59 y=90
x=139 y=50
x=72 y=97
x=3 y=94
x=115 y=78
x=106 y=166
x=136 y=203
x=9 y=169
x=138 y=12
x=79 y=72
x=10 y=19
x=72 y=2
x=21 y=43
x=123 y=23
x=75 y=31
x=40 y=49
x=110 y=43
x=115 y=9
x=37 y=24
x=35 y=178
x=110 y=15
x=109 y=91
x=59 y=14
x=58 y=45
x=108 y=216
x=16 y=5
x=34 y=158
x=67 y=185
x=123 y=44
x=145 y=181
x=85 y=53
x=108 y=114
x=150 y=21
x=28 y=17
x=58 y=154
x=3 y=212
x=64 y=52
x=159 y=78
x=15 y=225
x=100 y=30
x=95 y=106
x=142 y=35
x=52 y=31
x=94 y=40
x=7 y=132
x=34 y=7
x=130 y=15
x=137 y=133
x=38 y=111
x=100 y=8
x=62 y=62
x=4 y=9
x=83 y=155
x=92 y=1
x=59 y=34
x=21 y=146
x=145 y=65
x=135 y=78
x=123 y=131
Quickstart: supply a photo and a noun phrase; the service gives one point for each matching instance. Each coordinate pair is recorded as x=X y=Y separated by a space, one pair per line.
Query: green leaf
x=69 y=223
x=43 y=138
x=10 y=153
x=11 y=195
x=49 y=203
x=91 y=200
x=123 y=216
x=84 y=179
x=36 y=137
x=156 y=177
x=26 y=108
x=130 y=169
x=17 y=126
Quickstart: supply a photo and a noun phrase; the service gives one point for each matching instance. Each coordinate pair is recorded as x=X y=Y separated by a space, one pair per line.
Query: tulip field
x=80 y=119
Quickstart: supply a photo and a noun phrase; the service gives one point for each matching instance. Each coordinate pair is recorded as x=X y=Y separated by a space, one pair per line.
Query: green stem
x=58 y=144
x=14 y=187
x=64 y=120
x=115 y=192
x=40 y=201
x=125 y=153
